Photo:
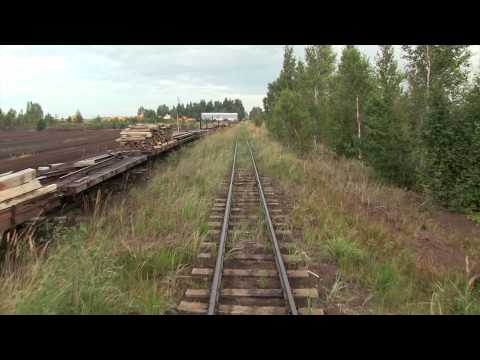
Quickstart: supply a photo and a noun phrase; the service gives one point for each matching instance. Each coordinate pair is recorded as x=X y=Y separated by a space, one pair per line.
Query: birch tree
x=354 y=79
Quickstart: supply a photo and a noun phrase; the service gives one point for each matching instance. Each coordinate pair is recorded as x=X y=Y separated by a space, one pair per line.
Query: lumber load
x=21 y=186
x=92 y=161
x=47 y=169
x=182 y=135
x=19 y=190
x=17 y=178
x=28 y=196
x=55 y=166
x=145 y=137
x=5 y=174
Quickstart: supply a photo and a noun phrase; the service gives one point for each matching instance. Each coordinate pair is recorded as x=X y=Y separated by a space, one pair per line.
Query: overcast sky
x=117 y=80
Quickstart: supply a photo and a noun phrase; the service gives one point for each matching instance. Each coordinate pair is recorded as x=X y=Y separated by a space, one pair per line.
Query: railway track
x=72 y=184
x=247 y=266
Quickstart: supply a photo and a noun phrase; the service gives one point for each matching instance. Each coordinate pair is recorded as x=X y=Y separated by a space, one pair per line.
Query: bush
x=291 y=123
x=451 y=139
x=386 y=146
x=41 y=124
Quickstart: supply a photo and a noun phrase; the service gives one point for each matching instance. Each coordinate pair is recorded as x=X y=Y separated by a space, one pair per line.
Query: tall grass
x=366 y=229
x=125 y=259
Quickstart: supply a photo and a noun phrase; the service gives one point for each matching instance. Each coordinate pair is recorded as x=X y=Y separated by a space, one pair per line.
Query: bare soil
x=440 y=238
x=23 y=149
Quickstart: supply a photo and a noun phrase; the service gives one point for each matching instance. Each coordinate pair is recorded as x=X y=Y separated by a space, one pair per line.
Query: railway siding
x=72 y=182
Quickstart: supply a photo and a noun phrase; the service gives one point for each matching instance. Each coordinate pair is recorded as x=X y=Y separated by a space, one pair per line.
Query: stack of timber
x=91 y=175
x=53 y=172
x=183 y=135
x=93 y=160
x=145 y=137
x=22 y=196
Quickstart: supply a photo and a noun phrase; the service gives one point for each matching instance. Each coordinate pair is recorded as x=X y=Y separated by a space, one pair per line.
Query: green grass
x=346 y=252
x=452 y=295
x=376 y=267
x=126 y=258
x=475 y=217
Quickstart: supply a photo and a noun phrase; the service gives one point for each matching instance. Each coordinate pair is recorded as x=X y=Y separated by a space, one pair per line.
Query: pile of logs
x=18 y=187
x=145 y=137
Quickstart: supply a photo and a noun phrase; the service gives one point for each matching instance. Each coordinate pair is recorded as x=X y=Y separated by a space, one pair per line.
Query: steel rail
x=282 y=272
x=217 y=276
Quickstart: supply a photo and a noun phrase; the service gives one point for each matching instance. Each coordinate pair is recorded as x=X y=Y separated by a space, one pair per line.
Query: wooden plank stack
x=21 y=186
x=145 y=137
x=92 y=161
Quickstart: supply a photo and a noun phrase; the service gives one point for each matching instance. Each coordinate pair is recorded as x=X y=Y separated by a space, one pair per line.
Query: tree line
x=34 y=117
x=418 y=127
x=194 y=109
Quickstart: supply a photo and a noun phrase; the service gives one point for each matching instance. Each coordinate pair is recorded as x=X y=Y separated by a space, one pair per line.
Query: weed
x=126 y=257
x=368 y=228
x=347 y=253
x=475 y=217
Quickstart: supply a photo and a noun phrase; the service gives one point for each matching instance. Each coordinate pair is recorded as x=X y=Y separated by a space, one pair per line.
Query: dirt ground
x=29 y=149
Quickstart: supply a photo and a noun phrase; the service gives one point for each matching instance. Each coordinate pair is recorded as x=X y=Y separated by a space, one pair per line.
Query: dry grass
x=126 y=258
x=376 y=248
x=379 y=246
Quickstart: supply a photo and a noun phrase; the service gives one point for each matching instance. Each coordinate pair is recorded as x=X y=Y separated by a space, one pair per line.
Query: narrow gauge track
x=74 y=185
x=251 y=268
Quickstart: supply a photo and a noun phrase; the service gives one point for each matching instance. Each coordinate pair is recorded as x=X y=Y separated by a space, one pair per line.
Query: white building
x=220 y=116
x=167 y=117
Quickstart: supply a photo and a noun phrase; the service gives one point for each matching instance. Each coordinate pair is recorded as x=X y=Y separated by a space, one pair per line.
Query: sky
x=110 y=80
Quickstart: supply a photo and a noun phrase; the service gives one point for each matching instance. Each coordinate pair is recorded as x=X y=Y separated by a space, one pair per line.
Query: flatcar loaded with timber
x=31 y=193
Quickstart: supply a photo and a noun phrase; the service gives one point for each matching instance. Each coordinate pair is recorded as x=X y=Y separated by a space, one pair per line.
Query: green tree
x=438 y=81
x=288 y=72
x=286 y=79
x=77 y=118
x=20 y=121
x=320 y=67
x=437 y=135
x=238 y=108
x=353 y=83
x=41 y=124
x=291 y=122
x=149 y=115
x=316 y=85
x=2 y=120
x=210 y=107
x=451 y=149
x=33 y=113
x=10 y=119
x=385 y=144
x=162 y=110
x=50 y=120
x=387 y=74
x=256 y=115
x=430 y=66
x=467 y=188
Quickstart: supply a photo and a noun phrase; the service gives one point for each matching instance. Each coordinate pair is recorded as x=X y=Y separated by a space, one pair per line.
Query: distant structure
x=167 y=117
x=186 y=118
x=115 y=118
x=220 y=116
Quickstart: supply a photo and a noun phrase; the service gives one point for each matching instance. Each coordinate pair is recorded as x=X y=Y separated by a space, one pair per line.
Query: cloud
x=117 y=79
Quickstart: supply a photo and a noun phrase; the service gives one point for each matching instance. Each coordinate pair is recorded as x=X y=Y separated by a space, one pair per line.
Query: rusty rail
x=217 y=276
x=281 y=269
